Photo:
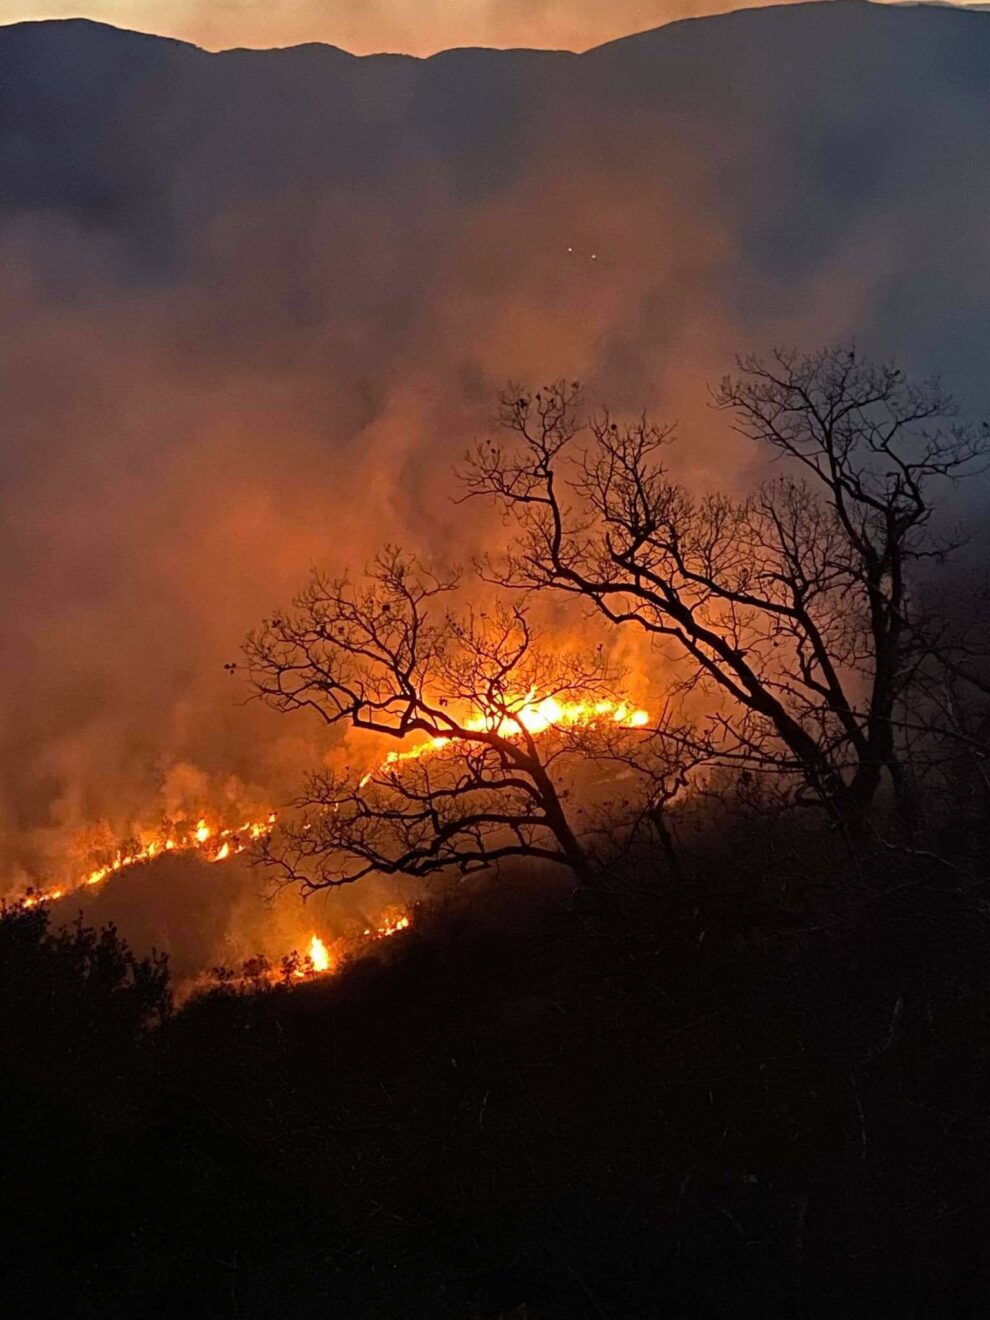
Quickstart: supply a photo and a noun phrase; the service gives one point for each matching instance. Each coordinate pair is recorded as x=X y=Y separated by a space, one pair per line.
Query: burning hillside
x=319 y=958
x=199 y=847
x=209 y=841
x=243 y=378
x=205 y=839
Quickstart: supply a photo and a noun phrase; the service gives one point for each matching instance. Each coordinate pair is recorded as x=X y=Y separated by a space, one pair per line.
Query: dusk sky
x=418 y=27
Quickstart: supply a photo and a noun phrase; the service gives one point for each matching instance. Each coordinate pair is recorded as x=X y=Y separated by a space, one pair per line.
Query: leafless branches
x=792 y=610
x=483 y=776
x=792 y=606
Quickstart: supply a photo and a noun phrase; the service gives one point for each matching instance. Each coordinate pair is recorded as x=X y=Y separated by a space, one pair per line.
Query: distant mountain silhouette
x=813 y=115
x=816 y=112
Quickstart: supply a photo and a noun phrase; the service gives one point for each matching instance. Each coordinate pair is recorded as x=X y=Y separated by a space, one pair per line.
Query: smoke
x=255 y=308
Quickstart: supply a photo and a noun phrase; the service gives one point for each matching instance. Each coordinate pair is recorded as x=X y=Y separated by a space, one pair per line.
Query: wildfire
x=212 y=842
x=319 y=955
x=535 y=717
x=321 y=958
x=390 y=926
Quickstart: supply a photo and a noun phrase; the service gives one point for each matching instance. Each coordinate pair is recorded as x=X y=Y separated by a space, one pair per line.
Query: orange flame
x=320 y=960
x=535 y=717
x=319 y=955
x=390 y=926
x=211 y=841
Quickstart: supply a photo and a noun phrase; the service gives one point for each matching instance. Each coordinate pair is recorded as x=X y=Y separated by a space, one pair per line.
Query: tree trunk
x=906 y=797
x=658 y=820
x=558 y=824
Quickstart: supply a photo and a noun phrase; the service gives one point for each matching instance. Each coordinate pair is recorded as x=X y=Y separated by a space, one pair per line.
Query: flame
x=535 y=717
x=319 y=955
x=390 y=926
x=320 y=960
x=214 y=842
x=210 y=840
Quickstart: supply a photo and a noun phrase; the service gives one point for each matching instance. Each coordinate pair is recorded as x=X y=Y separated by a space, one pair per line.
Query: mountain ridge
x=745 y=13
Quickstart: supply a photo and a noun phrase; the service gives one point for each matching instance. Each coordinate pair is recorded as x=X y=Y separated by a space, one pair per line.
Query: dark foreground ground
x=761 y=1094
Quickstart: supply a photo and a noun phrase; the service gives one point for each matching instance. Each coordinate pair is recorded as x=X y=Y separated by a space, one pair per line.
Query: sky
x=417 y=27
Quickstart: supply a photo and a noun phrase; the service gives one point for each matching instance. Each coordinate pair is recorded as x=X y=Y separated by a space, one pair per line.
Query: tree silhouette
x=792 y=606
x=488 y=778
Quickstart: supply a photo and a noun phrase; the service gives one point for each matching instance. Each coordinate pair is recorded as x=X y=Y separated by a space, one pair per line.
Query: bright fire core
x=535 y=717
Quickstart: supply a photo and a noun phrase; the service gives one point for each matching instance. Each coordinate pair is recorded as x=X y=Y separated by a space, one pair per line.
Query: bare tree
x=792 y=606
x=489 y=705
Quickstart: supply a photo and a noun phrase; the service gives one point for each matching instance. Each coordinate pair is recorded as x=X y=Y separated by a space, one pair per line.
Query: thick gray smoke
x=255 y=306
